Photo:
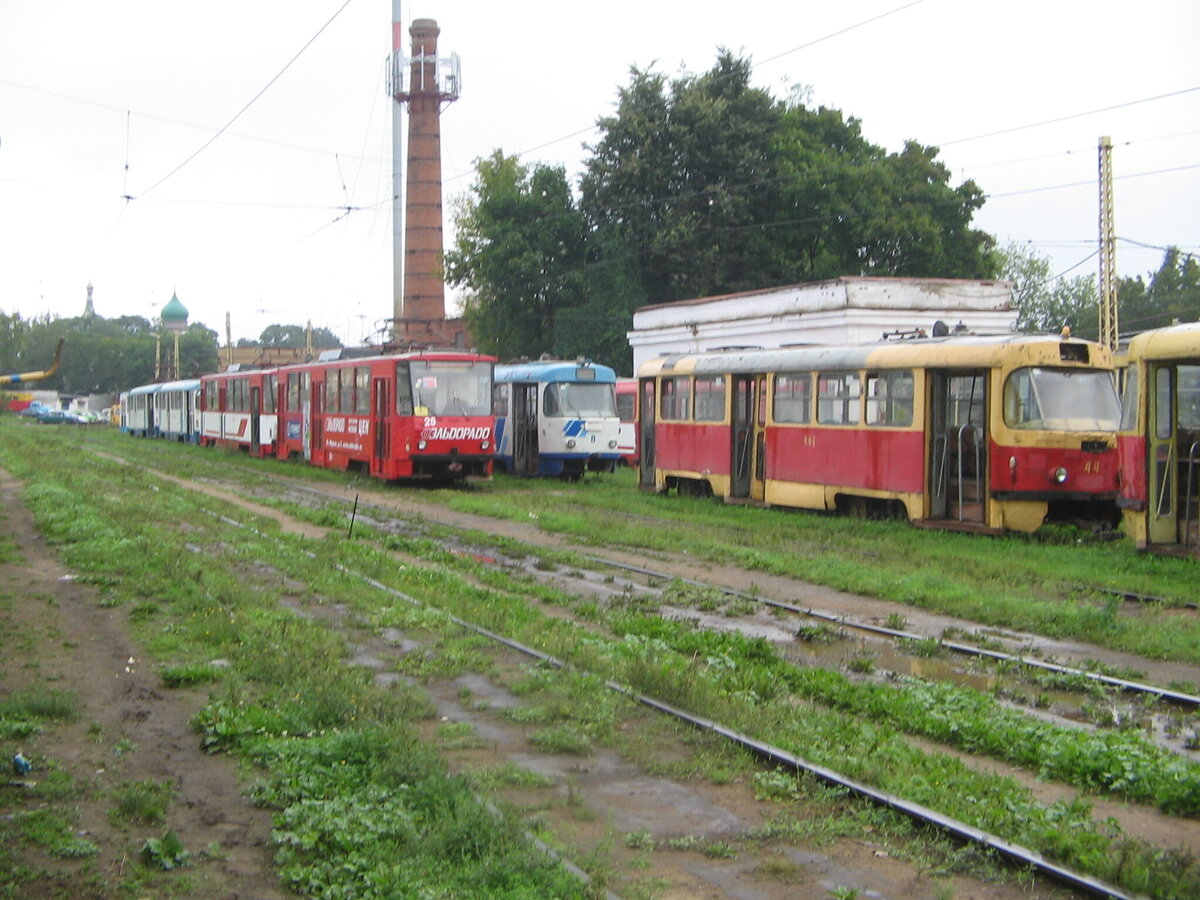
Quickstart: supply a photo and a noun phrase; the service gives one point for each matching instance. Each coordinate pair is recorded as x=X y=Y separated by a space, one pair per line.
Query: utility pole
x=1109 y=334
x=394 y=79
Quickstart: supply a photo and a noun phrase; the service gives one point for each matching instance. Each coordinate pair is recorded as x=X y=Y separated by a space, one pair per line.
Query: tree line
x=704 y=185
x=106 y=356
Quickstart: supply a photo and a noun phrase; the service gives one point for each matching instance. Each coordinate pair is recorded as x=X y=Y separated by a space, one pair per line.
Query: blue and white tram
x=138 y=410
x=556 y=418
x=177 y=410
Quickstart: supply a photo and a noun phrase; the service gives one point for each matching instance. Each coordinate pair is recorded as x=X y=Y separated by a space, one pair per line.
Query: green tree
x=518 y=253
x=290 y=336
x=1171 y=294
x=1045 y=303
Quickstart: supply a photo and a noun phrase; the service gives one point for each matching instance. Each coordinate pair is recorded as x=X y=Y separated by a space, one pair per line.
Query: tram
x=239 y=411
x=556 y=418
x=177 y=410
x=416 y=415
x=1159 y=440
x=627 y=395
x=982 y=433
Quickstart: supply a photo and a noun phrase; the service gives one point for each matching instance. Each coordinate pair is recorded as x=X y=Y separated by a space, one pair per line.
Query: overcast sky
x=101 y=100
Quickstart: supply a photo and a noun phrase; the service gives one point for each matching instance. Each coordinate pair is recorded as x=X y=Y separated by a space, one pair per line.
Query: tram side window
x=1189 y=397
x=710 y=398
x=347 y=390
x=404 y=399
x=624 y=407
x=1130 y=400
x=293 y=392
x=890 y=398
x=837 y=398
x=500 y=400
x=793 y=398
x=676 y=397
x=210 y=395
x=362 y=390
x=331 y=391
x=241 y=402
x=268 y=394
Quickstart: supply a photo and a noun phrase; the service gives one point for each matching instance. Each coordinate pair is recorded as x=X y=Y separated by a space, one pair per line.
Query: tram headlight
x=571 y=443
x=421 y=445
x=485 y=445
x=612 y=445
x=1060 y=475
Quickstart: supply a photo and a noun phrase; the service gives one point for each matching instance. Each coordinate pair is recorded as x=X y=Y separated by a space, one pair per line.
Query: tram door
x=317 y=426
x=1174 y=448
x=742 y=462
x=957 y=479
x=757 y=480
x=379 y=413
x=646 y=410
x=255 y=422
x=523 y=425
x=748 y=464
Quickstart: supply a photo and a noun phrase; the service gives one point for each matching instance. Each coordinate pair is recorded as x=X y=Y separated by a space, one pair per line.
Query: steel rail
x=1174 y=696
x=916 y=811
x=1180 y=697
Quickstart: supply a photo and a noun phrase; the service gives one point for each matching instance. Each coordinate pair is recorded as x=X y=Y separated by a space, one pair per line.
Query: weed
x=861 y=663
x=775 y=785
x=564 y=738
x=818 y=633
x=166 y=852
x=41 y=703
x=190 y=675
x=141 y=802
x=639 y=840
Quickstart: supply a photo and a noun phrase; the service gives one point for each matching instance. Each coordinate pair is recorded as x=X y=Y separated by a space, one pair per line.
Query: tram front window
x=568 y=398
x=451 y=388
x=1061 y=400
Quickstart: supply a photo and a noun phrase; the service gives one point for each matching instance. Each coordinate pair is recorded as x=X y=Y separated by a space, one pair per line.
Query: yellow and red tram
x=986 y=433
x=1159 y=440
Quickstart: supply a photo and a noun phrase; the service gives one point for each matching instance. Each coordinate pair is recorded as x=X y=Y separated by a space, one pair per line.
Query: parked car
x=57 y=417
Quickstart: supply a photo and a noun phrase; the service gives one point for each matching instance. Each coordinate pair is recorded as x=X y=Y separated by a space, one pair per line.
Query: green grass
x=290 y=704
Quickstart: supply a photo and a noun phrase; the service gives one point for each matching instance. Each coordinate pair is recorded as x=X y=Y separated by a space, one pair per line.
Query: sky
x=238 y=154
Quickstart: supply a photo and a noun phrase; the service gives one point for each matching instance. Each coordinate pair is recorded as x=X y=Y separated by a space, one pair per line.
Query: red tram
x=238 y=411
x=627 y=395
x=978 y=433
x=424 y=414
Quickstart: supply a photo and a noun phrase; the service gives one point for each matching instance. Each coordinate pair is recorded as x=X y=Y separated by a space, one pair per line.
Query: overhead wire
x=250 y=103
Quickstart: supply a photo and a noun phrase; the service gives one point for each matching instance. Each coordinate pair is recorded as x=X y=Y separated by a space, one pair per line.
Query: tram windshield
x=571 y=398
x=1061 y=400
x=449 y=388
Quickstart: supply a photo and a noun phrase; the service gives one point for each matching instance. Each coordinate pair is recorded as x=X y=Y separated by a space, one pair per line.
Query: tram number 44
x=1091 y=467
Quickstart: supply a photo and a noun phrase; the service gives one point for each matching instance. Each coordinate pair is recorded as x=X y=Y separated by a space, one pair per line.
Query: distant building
x=842 y=310
x=260 y=357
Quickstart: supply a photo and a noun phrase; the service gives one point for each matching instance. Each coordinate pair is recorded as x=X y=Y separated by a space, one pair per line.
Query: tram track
x=776 y=755
x=840 y=620
x=780 y=757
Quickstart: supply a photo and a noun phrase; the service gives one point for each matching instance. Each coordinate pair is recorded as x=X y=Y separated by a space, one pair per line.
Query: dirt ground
x=134 y=729
x=131 y=729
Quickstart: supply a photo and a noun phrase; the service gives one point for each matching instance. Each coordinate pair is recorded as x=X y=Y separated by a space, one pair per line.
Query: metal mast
x=395 y=61
x=1109 y=334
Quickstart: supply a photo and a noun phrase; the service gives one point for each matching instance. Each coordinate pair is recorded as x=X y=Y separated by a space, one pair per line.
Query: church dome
x=174 y=314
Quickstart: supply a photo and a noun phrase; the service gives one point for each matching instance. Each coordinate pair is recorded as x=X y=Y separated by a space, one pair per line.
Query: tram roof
x=967 y=351
x=1172 y=342
x=554 y=370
